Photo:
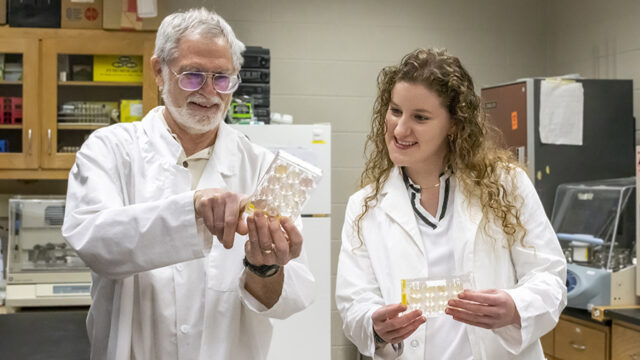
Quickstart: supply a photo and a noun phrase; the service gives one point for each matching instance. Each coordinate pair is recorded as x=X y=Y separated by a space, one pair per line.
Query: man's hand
x=221 y=212
x=393 y=328
x=272 y=240
x=489 y=309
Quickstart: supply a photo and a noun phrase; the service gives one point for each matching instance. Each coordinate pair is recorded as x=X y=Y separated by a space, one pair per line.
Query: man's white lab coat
x=130 y=216
x=369 y=273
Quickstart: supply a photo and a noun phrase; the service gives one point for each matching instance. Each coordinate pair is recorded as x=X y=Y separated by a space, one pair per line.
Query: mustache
x=205 y=100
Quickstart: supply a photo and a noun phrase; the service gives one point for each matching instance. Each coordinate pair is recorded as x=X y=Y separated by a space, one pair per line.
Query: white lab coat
x=369 y=274
x=130 y=216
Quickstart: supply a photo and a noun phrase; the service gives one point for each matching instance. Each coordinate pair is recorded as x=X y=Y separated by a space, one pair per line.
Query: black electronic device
x=34 y=13
x=261 y=111
x=253 y=89
x=256 y=57
x=607 y=149
x=261 y=76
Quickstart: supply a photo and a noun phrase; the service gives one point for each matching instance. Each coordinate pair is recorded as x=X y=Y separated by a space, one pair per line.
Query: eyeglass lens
x=192 y=81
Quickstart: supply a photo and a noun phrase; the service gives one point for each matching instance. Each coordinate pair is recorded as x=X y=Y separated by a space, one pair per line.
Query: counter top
x=580 y=314
x=629 y=315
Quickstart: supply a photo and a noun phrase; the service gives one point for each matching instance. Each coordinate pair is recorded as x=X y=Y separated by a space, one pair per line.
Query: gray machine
x=42 y=269
x=596 y=225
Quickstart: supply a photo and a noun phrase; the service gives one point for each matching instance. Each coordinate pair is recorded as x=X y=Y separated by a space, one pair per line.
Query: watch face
x=271 y=271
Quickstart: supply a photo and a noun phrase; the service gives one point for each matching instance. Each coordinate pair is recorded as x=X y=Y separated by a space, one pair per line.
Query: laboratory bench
x=579 y=337
x=45 y=334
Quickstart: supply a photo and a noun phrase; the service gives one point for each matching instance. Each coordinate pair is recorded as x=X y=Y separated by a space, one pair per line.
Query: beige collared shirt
x=196 y=162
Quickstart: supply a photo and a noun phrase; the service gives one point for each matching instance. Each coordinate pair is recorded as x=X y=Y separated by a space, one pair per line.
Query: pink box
x=16 y=110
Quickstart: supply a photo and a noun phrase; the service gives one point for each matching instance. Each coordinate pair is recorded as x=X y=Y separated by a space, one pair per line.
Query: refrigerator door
x=307 y=334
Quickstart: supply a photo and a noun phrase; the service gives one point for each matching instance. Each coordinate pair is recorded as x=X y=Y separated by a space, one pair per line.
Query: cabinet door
x=624 y=343
x=86 y=80
x=573 y=341
x=19 y=75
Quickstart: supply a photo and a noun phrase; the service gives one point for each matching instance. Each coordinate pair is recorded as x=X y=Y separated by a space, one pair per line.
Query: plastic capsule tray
x=431 y=296
x=285 y=187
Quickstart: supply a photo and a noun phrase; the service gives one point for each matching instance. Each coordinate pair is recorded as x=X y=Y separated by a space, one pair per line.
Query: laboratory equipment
x=596 y=224
x=285 y=187
x=42 y=269
x=311 y=143
x=88 y=112
x=256 y=82
x=432 y=296
x=607 y=149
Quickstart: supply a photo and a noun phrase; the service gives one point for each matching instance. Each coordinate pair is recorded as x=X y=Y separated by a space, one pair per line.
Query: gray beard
x=190 y=122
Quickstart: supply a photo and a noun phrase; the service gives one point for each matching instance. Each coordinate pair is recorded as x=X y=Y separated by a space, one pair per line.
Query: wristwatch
x=377 y=338
x=263 y=271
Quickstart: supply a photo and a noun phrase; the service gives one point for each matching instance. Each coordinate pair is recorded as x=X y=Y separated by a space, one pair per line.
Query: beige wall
x=597 y=39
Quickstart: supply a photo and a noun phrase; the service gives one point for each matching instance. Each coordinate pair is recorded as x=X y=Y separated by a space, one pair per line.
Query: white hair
x=195 y=22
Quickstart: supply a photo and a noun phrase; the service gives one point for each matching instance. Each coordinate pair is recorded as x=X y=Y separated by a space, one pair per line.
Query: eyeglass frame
x=209 y=75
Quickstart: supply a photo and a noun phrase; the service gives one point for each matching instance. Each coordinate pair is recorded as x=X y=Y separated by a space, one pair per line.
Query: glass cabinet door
x=19 y=147
x=89 y=83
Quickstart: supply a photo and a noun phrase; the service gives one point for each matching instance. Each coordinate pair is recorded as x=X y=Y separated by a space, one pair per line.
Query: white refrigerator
x=306 y=335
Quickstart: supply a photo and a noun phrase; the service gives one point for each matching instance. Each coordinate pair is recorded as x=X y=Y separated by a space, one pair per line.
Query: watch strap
x=263 y=271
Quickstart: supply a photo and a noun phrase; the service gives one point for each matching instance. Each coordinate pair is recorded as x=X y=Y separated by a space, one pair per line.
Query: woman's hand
x=393 y=328
x=489 y=309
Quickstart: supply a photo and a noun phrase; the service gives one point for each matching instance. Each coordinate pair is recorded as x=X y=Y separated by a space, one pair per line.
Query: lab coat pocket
x=225 y=265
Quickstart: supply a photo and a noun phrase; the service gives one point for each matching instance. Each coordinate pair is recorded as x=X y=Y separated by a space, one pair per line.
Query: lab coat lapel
x=159 y=141
x=397 y=205
x=159 y=147
x=224 y=161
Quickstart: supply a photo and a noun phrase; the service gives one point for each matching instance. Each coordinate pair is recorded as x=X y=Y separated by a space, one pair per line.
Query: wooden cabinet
x=43 y=146
x=19 y=140
x=625 y=343
x=547 y=344
x=576 y=339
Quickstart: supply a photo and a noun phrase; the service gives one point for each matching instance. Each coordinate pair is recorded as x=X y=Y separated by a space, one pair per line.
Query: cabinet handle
x=577 y=346
x=29 y=142
x=49 y=142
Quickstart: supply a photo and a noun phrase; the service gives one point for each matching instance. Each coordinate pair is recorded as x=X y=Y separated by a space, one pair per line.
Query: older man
x=153 y=209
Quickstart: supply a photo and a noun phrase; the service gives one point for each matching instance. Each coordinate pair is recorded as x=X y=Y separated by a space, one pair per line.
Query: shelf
x=99 y=83
x=4 y=82
x=80 y=126
x=10 y=126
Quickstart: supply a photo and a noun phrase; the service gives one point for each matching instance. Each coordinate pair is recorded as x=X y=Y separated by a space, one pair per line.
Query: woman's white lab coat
x=130 y=216
x=369 y=273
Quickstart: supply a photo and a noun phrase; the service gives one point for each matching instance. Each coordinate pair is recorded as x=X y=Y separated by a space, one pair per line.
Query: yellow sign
x=117 y=68
x=130 y=110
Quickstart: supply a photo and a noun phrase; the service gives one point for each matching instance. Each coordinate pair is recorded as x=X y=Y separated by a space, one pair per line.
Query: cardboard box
x=81 y=14
x=119 y=68
x=122 y=15
x=3 y=12
x=130 y=110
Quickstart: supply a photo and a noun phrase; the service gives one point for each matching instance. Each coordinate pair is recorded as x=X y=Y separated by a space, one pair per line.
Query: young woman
x=440 y=198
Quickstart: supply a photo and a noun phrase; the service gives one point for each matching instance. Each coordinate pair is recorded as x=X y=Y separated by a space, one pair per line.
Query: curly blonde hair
x=478 y=162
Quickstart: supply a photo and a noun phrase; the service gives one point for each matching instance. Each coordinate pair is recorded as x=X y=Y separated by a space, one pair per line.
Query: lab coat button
x=179 y=267
x=414 y=343
x=185 y=164
x=184 y=329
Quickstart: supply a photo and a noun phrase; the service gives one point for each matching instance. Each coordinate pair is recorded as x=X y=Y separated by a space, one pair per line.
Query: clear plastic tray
x=285 y=187
x=431 y=295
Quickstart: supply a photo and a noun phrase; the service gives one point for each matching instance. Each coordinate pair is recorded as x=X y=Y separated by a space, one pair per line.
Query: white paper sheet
x=561 y=112
x=147 y=8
